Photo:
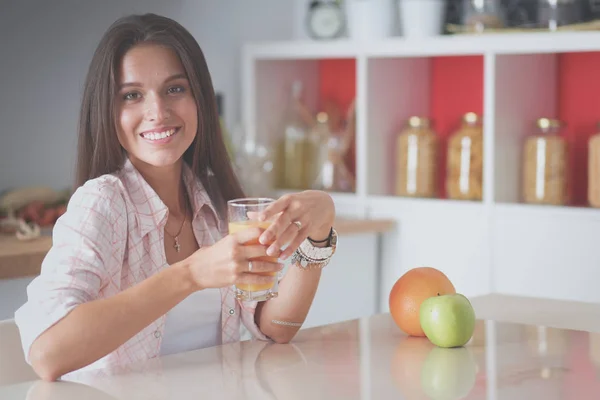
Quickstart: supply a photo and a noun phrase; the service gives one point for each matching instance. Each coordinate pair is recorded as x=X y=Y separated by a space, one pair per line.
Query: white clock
x=325 y=19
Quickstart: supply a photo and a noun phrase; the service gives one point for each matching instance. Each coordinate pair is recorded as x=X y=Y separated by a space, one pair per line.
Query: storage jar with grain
x=464 y=175
x=594 y=170
x=545 y=165
x=416 y=156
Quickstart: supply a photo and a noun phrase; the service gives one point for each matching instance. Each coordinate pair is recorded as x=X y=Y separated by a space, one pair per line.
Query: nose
x=156 y=108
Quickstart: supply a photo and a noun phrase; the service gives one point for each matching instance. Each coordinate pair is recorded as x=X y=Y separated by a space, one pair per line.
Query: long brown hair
x=99 y=151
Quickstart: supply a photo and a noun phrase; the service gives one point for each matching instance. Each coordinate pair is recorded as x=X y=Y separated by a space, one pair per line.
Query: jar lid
x=418 y=122
x=548 y=123
x=471 y=118
x=322 y=117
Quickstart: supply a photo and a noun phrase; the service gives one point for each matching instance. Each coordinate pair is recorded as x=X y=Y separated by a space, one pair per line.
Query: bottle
x=594 y=169
x=334 y=176
x=545 y=165
x=416 y=156
x=295 y=150
x=464 y=176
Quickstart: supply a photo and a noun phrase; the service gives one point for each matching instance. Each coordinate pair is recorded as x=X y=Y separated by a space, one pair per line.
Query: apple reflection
x=423 y=371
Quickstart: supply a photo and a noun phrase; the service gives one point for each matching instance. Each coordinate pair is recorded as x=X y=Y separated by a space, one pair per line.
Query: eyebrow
x=137 y=84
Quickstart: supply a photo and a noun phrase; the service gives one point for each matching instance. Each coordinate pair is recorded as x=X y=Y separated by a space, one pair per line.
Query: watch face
x=325 y=21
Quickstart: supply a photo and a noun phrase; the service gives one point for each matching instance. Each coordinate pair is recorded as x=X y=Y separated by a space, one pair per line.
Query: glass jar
x=296 y=149
x=594 y=169
x=545 y=165
x=553 y=14
x=482 y=15
x=464 y=176
x=416 y=156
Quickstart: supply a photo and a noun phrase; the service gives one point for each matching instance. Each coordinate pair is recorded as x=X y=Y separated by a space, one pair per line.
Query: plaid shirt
x=110 y=239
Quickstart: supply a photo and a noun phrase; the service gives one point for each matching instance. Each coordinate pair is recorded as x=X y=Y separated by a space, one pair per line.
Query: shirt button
x=231 y=311
x=156 y=334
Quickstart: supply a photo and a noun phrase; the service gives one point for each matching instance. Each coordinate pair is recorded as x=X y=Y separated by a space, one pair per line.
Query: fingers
x=248 y=235
x=282 y=223
x=276 y=207
x=252 y=251
x=290 y=234
x=294 y=245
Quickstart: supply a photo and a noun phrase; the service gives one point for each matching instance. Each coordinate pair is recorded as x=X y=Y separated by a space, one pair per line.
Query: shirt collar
x=150 y=209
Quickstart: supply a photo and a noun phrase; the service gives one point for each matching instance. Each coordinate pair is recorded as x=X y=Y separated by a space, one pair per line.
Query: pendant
x=177 y=245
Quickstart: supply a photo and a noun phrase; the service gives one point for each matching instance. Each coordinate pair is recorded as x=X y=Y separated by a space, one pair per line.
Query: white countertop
x=371 y=359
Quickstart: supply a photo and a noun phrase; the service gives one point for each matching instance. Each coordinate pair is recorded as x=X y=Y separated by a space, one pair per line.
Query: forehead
x=147 y=63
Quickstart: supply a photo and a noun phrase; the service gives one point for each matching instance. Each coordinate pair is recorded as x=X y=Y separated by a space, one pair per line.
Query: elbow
x=43 y=366
x=282 y=337
x=282 y=340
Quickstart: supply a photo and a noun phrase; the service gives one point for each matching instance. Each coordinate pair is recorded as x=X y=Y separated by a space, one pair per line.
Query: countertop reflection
x=364 y=359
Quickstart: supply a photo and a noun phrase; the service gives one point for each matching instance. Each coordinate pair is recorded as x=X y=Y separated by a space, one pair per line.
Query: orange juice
x=241 y=225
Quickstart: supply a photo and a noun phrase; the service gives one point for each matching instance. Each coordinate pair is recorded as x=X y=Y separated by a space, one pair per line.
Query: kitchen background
x=373 y=104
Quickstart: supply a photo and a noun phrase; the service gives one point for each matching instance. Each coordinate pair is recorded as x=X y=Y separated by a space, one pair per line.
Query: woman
x=141 y=263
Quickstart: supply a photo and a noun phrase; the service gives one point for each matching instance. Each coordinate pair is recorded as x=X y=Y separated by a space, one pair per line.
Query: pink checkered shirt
x=111 y=238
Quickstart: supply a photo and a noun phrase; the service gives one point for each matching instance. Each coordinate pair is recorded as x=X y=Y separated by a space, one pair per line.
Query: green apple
x=447 y=320
x=448 y=374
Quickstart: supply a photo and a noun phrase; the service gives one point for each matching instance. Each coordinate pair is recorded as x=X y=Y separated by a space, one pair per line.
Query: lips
x=159 y=135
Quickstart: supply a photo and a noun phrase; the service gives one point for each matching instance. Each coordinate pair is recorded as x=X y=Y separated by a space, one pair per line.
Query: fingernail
x=264 y=238
x=284 y=256
x=271 y=250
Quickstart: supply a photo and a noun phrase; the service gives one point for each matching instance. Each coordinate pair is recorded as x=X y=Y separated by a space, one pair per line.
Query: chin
x=162 y=160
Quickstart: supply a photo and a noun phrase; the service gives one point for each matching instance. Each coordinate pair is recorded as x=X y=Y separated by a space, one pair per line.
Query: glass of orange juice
x=243 y=214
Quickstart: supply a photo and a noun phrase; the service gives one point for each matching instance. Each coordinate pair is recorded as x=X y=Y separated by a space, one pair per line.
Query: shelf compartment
x=544 y=85
x=324 y=80
x=441 y=88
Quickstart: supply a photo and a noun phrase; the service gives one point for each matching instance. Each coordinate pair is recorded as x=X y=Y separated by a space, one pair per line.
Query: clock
x=325 y=19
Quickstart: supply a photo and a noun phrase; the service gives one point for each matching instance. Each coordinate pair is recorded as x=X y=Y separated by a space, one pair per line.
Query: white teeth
x=159 y=135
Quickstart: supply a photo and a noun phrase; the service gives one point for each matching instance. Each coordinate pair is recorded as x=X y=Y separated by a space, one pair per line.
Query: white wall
x=46 y=48
x=221 y=28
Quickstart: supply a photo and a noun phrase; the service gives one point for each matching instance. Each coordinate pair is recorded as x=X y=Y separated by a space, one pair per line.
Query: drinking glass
x=243 y=214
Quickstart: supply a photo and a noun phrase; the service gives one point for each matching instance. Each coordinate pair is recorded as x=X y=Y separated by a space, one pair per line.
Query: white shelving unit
x=496 y=245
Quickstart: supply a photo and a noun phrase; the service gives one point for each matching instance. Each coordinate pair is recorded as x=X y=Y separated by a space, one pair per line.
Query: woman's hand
x=227 y=262
x=313 y=209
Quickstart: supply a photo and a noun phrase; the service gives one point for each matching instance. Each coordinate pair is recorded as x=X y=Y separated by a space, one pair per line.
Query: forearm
x=296 y=293
x=93 y=330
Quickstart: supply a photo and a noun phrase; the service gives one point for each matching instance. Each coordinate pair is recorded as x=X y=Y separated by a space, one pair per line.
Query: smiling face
x=157 y=118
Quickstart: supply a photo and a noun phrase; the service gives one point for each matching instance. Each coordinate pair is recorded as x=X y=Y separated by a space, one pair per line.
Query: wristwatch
x=309 y=256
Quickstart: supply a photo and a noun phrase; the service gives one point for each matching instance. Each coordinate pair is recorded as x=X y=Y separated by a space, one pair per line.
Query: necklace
x=176 y=236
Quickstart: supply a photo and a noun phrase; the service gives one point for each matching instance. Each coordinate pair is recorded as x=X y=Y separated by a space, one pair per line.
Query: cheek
x=126 y=123
x=190 y=115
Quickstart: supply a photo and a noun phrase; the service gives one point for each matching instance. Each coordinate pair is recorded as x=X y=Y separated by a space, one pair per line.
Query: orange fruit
x=410 y=290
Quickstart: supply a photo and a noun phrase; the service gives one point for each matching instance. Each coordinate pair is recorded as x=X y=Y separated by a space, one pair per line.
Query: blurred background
x=457 y=134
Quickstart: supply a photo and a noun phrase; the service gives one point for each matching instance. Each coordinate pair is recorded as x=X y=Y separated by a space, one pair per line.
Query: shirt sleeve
x=86 y=253
x=253 y=331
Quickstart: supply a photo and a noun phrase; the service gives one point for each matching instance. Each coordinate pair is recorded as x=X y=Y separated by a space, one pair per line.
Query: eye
x=176 y=89
x=131 y=96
